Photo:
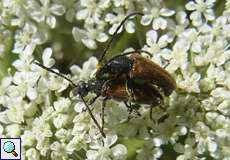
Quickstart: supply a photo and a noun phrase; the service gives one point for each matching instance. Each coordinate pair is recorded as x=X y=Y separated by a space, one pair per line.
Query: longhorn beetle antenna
x=73 y=84
x=59 y=74
x=91 y=114
x=115 y=33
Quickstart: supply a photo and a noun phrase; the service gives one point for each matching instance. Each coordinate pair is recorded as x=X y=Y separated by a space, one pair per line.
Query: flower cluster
x=191 y=43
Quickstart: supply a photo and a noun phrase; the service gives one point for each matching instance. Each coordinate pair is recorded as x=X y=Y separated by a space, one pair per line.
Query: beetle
x=125 y=90
x=124 y=79
x=138 y=68
x=134 y=66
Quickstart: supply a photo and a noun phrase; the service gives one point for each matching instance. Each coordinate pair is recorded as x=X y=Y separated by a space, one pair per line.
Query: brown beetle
x=132 y=79
x=139 y=69
x=127 y=91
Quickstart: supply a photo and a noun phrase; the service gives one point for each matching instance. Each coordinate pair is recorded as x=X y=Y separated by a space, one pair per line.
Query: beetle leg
x=103 y=112
x=129 y=109
x=151 y=113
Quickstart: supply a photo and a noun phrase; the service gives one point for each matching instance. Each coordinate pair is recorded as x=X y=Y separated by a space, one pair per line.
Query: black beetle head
x=93 y=86
x=81 y=89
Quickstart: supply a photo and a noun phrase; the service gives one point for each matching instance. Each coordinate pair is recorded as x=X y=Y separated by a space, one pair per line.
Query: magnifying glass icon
x=9 y=147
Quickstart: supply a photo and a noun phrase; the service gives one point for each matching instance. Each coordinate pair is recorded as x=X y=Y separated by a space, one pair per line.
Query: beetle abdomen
x=124 y=90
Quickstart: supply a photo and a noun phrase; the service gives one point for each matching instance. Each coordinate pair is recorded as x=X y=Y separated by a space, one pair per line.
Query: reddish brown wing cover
x=144 y=69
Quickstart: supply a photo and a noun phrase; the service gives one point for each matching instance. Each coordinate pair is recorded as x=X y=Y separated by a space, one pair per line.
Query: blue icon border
x=20 y=153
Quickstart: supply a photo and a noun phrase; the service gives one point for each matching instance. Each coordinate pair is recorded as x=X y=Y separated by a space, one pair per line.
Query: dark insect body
x=121 y=90
x=139 y=69
x=129 y=78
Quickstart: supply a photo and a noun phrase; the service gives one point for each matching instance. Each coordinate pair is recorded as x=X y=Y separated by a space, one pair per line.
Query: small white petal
x=157 y=142
x=224 y=107
x=38 y=16
x=151 y=37
x=196 y=18
x=221 y=92
x=130 y=27
x=32 y=153
x=190 y=6
x=209 y=14
x=57 y=9
x=32 y=94
x=196 y=47
x=163 y=41
x=102 y=37
x=110 y=139
x=79 y=107
x=69 y=16
x=78 y=34
x=166 y=12
x=47 y=53
x=157 y=152
x=51 y=21
x=146 y=20
x=119 y=151
x=91 y=155
x=159 y=23
x=212 y=146
x=90 y=43
x=31 y=28
x=82 y=14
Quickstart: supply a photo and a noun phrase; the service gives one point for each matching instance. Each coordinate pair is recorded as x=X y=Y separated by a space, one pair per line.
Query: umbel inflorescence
x=191 y=42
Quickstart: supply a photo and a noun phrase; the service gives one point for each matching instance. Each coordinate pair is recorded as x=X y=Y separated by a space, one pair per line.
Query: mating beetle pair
x=128 y=77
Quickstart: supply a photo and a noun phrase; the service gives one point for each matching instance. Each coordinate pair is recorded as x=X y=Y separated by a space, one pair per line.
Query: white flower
x=63 y=134
x=16 y=114
x=28 y=138
x=148 y=152
x=46 y=12
x=155 y=44
x=115 y=20
x=179 y=56
x=190 y=82
x=181 y=23
x=13 y=130
x=16 y=8
x=156 y=15
x=27 y=39
x=89 y=11
x=224 y=107
x=191 y=35
x=32 y=154
x=58 y=150
x=221 y=92
x=88 y=68
x=205 y=138
x=109 y=151
x=70 y=8
x=62 y=105
x=79 y=141
x=60 y=121
x=201 y=8
x=89 y=36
